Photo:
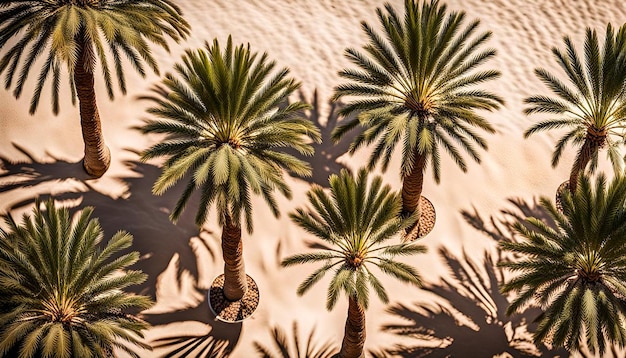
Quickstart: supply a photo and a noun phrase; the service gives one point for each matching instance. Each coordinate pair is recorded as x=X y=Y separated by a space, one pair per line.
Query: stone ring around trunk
x=426 y=222
x=233 y=311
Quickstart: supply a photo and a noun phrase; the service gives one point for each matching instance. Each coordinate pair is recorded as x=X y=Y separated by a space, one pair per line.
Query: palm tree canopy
x=576 y=271
x=61 y=287
x=120 y=28
x=591 y=105
x=415 y=84
x=355 y=219
x=226 y=121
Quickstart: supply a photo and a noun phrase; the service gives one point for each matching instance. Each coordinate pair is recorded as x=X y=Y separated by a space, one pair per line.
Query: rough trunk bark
x=582 y=159
x=235 y=284
x=97 y=155
x=354 y=336
x=412 y=185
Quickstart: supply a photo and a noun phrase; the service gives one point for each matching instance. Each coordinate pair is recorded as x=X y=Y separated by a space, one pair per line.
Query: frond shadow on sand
x=144 y=215
x=325 y=160
x=469 y=319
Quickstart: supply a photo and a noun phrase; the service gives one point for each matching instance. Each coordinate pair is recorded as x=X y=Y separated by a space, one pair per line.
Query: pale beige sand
x=309 y=37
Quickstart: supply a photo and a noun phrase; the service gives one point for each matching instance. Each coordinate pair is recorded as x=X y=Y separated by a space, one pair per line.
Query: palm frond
x=75 y=304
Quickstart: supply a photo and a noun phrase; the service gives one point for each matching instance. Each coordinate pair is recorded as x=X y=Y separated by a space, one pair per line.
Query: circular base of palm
x=233 y=311
x=559 y=192
x=426 y=222
x=97 y=168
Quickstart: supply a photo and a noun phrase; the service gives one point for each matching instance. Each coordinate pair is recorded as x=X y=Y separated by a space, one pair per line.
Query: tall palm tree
x=416 y=85
x=591 y=106
x=79 y=34
x=576 y=271
x=356 y=219
x=226 y=123
x=62 y=288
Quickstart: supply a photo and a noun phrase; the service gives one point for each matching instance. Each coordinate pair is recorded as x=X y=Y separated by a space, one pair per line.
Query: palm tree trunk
x=582 y=159
x=97 y=154
x=354 y=336
x=235 y=285
x=412 y=185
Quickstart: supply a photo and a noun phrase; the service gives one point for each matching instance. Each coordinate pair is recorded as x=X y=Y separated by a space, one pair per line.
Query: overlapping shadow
x=470 y=321
x=146 y=217
x=324 y=161
x=294 y=347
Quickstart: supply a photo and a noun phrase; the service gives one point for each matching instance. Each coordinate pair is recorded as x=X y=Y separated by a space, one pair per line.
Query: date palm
x=77 y=35
x=416 y=85
x=226 y=126
x=591 y=105
x=576 y=271
x=62 y=288
x=355 y=219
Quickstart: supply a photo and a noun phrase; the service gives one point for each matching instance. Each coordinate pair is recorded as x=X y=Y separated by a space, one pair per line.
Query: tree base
x=558 y=201
x=426 y=222
x=233 y=311
x=98 y=166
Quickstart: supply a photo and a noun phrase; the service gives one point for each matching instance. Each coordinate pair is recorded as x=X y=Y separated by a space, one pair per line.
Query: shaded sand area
x=460 y=312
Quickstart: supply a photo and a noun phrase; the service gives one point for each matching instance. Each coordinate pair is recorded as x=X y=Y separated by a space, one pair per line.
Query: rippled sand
x=41 y=154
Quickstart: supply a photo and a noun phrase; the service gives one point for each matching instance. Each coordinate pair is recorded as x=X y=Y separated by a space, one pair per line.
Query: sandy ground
x=459 y=313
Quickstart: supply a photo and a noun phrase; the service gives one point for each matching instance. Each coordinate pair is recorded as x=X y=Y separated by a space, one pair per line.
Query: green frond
x=226 y=127
x=422 y=72
x=356 y=217
x=58 y=282
x=574 y=270
x=589 y=102
x=52 y=28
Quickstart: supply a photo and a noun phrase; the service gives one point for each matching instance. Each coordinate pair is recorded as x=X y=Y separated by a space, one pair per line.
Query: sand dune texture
x=459 y=313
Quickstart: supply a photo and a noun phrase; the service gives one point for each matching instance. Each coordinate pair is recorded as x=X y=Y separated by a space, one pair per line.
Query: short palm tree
x=226 y=123
x=576 y=271
x=591 y=106
x=62 y=288
x=78 y=34
x=416 y=85
x=356 y=219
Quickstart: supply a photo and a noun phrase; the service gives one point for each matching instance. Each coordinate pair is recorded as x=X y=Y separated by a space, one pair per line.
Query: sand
x=460 y=308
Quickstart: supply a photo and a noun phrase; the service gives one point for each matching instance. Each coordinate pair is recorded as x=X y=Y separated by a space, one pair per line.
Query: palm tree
x=415 y=85
x=61 y=288
x=576 y=271
x=78 y=34
x=225 y=123
x=591 y=105
x=355 y=219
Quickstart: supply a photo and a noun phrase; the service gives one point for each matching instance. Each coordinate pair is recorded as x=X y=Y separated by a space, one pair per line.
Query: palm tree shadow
x=499 y=229
x=324 y=161
x=295 y=347
x=219 y=340
x=138 y=212
x=471 y=319
x=472 y=322
x=31 y=172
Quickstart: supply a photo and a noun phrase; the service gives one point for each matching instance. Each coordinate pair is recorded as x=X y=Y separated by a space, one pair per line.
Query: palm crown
x=591 y=105
x=414 y=85
x=61 y=288
x=576 y=270
x=356 y=219
x=121 y=28
x=225 y=121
